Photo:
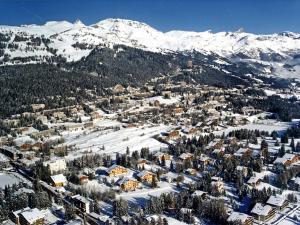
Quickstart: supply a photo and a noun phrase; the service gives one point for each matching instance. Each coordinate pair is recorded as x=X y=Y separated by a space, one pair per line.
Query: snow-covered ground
x=140 y=196
x=8 y=179
x=114 y=140
x=262 y=125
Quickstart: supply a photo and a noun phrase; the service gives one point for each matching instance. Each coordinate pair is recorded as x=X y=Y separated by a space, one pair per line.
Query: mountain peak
x=79 y=23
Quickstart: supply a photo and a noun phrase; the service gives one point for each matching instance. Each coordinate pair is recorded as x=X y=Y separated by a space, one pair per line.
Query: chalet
x=243 y=152
x=216 y=144
x=37 y=107
x=186 y=156
x=146 y=176
x=118 y=89
x=278 y=201
x=191 y=171
x=82 y=203
x=28 y=216
x=73 y=127
x=173 y=135
x=263 y=212
x=254 y=181
x=83 y=179
x=59 y=180
x=25 y=147
x=161 y=155
x=116 y=170
x=128 y=184
x=59 y=115
x=218 y=151
x=177 y=111
x=285 y=161
x=143 y=164
x=243 y=218
x=57 y=165
x=189 y=130
x=42 y=118
x=204 y=159
x=95 y=115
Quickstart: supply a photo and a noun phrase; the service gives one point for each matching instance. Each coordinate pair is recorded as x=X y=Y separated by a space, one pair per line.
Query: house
x=186 y=156
x=278 y=201
x=59 y=180
x=143 y=164
x=116 y=170
x=241 y=217
x=82 y=203
x=161 y=155
x=204 y=160
x=118 y=89
x=28 y=216
x=37 y=107
x=191 y=171
x=59 y=115
x=243 y=152
x=177 y=110
x=146 y=176
x=263 y=212
x=254 y=181
x=95 y=115
x=219 y=151
x=173 y=135
x=83 y=179
x=128 y=184
x=285 y=161
x=57 y=165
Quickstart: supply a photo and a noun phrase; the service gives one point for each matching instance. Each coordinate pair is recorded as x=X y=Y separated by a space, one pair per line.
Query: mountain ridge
x=72 y=42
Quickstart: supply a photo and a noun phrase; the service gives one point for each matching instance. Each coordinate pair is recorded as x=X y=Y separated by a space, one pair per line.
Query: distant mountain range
x=276 y=54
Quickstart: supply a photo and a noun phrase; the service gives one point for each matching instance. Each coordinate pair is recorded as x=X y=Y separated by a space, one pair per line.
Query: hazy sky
x=257 y=16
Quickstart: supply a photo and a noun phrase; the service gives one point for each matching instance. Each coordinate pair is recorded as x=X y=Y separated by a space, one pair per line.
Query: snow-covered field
x=264 y=125
x=140 y=196
x=114 y=141
x=8 y=179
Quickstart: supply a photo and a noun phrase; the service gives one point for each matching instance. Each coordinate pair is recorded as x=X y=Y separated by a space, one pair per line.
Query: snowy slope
x=73 y=41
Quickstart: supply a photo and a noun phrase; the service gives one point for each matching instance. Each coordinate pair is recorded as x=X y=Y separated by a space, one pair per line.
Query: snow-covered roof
x=111 y=168
x=143 y=173
x=260 y=209
x=32 y=215
x=185 y=156
x=125 y=180
x=59 y=178
x=81 y=199
x=276 y=200
x=237 y=216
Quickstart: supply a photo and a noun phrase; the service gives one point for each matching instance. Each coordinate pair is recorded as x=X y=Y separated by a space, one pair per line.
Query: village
x=174 y=153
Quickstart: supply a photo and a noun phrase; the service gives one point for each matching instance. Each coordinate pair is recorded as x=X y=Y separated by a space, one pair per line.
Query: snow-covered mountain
x=72 y=41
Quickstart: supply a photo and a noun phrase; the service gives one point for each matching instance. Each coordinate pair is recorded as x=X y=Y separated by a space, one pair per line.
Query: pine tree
x=69 y=212
x=285 y=138
x=281 y=151
x=298 y=147
x=292 y=144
